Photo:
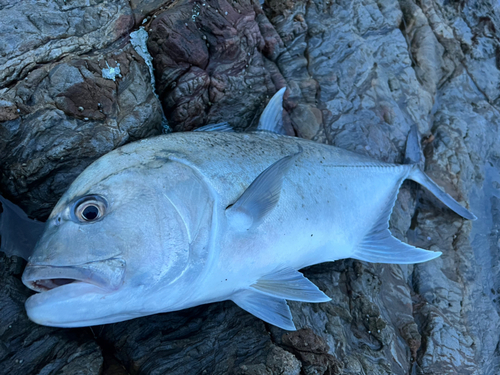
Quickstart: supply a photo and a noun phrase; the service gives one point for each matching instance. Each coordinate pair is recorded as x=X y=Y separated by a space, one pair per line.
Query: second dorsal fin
x=272 y=118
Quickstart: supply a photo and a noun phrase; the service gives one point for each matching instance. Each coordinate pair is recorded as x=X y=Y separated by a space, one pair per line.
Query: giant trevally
x=185 y=219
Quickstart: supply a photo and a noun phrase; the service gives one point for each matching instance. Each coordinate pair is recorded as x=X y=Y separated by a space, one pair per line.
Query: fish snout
x=106 y=274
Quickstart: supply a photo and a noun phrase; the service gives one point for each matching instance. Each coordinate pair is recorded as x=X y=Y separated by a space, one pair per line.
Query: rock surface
x=359 y=73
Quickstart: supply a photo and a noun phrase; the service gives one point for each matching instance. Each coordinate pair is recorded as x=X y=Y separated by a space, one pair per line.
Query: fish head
x=120 y=236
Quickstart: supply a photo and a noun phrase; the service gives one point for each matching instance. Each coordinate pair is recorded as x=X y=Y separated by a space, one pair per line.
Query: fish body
x=186 y=219
x=168 y=240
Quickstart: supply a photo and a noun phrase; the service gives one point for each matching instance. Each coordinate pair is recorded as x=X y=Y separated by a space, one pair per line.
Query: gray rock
x=69 y=116
x=359 y=74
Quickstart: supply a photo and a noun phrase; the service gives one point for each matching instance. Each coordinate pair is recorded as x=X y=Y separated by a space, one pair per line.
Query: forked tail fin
x=417 y=175
x=413 y=155
x=378 y=245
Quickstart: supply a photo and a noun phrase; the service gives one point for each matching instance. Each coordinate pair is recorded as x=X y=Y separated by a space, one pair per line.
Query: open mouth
x=48 y=284
x=105 y=274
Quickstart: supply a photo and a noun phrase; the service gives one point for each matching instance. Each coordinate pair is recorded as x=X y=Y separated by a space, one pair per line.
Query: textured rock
x=210 y=65
x=359 y=73
x=68 y=110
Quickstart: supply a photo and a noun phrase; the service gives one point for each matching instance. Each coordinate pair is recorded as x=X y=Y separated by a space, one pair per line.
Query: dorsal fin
x=413 y=153
x=417 y=175
x=219 y=127
x=272 y=118
x=261 y=196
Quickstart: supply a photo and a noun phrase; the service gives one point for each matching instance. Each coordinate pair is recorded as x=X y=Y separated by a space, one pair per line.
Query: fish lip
x=106 y=274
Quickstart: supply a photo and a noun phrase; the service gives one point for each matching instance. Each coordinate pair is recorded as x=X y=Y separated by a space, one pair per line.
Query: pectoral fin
x=272 y=310
x=290 y=284
x=261 y=196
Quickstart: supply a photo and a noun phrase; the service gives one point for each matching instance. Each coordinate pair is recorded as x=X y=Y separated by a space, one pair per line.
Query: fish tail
x=413 y=156
x=417 y=175
x=413 y=152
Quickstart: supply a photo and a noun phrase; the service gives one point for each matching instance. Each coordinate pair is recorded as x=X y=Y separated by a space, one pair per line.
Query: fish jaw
x=106 y=274
x=74 y=296
x=77 y=304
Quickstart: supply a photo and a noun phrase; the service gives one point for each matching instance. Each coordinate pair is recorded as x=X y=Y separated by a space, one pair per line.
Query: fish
x=185 y=219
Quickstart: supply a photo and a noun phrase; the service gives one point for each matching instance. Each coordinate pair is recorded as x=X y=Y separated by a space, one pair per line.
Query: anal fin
x=272 y=310
x=290 y=284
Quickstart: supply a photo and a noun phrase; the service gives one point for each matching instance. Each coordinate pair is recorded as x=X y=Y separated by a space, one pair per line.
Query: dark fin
x=272 y=310
x=19 y=234
x=413 y=154
x=220 y=127
x=261 y=196
x=379 y=246
x=290 y=284
x=417 y=175
x=272 y=118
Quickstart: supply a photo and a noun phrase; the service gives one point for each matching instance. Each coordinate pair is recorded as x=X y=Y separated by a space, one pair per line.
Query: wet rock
x=359 y=74
x=210 y=63
x=41 y=32
x=312 y=351
x=75 y=115
x=26 y=348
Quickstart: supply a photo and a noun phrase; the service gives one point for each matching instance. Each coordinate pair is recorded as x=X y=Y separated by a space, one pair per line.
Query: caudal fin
x=413 y=156
x=379 y=246
x=417 y=175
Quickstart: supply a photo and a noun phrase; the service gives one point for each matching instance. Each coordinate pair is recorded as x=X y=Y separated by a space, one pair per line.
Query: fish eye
x=90 y=208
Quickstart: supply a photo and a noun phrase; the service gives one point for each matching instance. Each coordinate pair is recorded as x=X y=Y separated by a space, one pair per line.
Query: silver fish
x=185 y=219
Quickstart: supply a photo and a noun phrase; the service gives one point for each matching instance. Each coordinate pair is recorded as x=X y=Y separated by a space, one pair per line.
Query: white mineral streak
x=139 y=39
x=111 y=72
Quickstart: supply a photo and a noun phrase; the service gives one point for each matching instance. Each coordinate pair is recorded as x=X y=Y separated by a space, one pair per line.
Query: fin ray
x=219 y=127
x=272 y=117
x=417 y=175
x=272 y=310
x=261 y=196
x=290 y=284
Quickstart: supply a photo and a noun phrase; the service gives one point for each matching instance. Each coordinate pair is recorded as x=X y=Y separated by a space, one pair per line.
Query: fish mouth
x=106 y=274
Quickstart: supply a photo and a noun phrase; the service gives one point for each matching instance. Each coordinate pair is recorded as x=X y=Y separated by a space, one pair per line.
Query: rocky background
x=359 y=73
